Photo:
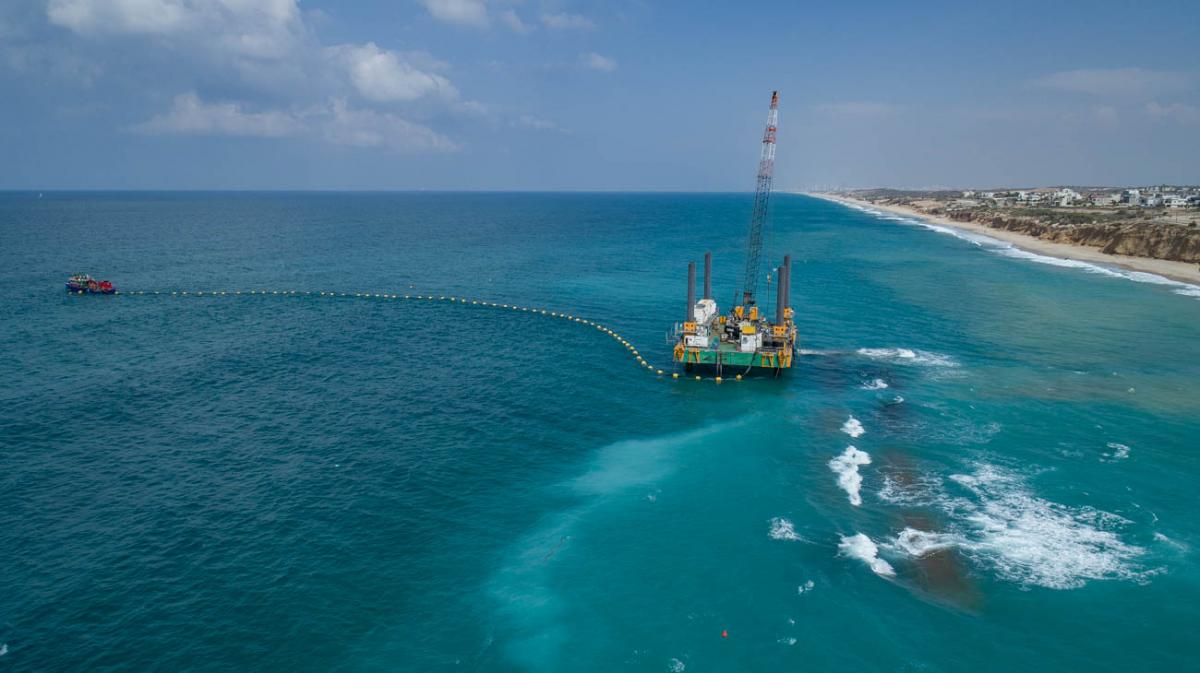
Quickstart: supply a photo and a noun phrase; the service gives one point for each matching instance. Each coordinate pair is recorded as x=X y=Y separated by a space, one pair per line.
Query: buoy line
x=633 y=351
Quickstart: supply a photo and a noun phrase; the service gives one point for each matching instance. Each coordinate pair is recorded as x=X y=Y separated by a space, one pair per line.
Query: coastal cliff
x=1130 y=232
x=1138 y=239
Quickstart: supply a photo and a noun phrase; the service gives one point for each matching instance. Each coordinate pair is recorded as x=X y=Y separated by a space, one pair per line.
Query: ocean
x=984 y=460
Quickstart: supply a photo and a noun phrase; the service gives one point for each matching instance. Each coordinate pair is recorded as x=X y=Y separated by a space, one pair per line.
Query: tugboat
x=81 y=283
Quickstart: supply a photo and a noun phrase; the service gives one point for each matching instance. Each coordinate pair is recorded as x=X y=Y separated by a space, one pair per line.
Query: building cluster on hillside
x=1065 y=197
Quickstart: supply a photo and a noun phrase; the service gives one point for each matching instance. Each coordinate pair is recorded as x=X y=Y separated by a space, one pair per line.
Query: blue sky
x=620 y=95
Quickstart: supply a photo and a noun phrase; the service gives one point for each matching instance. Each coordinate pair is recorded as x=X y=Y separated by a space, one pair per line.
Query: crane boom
x=762 y=195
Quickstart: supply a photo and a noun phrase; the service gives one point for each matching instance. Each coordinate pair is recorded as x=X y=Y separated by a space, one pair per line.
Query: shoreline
x=1182 y=272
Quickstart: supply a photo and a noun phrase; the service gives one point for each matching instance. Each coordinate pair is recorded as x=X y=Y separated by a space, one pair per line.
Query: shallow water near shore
x=306 y=483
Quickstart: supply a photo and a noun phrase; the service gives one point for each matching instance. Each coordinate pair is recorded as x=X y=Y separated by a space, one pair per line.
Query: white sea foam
x=787 y=641
x=807 y=586
x=675 y=666
x=899 y=399
x=853 y=428
x=846 y=467
x=782 y=529
x=1035 y=542
x=3 y=649
x=1174 y=543
x=1028 y=540
x=917 y=543
x=1118 y=452
x=919 y=490
x=908 y=356
x=877 y=384
x=1009 y=250
x=861 y=547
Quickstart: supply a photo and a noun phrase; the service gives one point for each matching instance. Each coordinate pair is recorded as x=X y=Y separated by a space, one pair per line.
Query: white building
x=1175 y=201
x=1067 y=197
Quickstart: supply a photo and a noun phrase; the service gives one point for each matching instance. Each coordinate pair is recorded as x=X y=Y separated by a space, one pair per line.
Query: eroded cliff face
x=1139 y=239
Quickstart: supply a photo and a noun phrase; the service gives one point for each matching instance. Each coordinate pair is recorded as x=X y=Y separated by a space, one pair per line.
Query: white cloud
x=1116 y=81
x=1177 y=112
x=511 y=19
x=358 y=95
x=564 y=21
x=597 y=62
x=462 y=12
x=190 y=115
x=335 y=122
x=370 y=128
x=254 y=28
x=119 y=17
x=858 y=109
x=385 y=76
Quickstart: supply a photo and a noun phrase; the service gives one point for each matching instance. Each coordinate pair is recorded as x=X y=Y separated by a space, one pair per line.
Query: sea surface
x=983 y=461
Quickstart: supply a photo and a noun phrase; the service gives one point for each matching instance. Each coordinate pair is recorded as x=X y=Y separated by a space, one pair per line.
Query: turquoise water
x=303 y=483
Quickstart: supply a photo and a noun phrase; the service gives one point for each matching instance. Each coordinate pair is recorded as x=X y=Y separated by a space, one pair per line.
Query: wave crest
x=861 y=547
x=846 y=467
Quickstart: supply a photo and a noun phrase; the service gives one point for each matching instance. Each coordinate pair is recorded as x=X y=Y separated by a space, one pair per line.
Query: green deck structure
x=726 y=356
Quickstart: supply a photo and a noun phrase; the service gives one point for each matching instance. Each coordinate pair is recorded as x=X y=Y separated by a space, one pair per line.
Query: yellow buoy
x=718 y=379
x=739 y=377
x=697 y=378
x=660 y=372
x=674 y=375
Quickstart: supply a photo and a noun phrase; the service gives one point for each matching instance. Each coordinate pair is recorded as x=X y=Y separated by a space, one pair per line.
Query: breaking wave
x=917 y=543
x=908 y=356
x=877 y=384
x=846 y=467
x=806 y=587
x=1118 y=452
x=861 y=547
x=853 y=427
x=782 y=529
x=1028 y=540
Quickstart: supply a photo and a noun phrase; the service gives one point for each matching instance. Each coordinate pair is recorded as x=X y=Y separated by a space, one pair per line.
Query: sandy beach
x=1181 y=271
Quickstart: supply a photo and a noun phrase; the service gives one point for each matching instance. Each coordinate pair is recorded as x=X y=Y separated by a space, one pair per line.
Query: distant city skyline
x=547 y=95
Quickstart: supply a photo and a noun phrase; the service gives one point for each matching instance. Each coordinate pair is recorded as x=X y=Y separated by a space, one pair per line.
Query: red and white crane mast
x=762 y=195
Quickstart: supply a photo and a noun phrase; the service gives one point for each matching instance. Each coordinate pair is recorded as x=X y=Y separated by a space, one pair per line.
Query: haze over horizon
x=474 y=95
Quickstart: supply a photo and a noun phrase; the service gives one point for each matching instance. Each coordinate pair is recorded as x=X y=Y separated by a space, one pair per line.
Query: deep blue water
x=305 y=483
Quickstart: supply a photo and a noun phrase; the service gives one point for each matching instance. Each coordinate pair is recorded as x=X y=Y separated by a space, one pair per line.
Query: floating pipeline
x=633 y=351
